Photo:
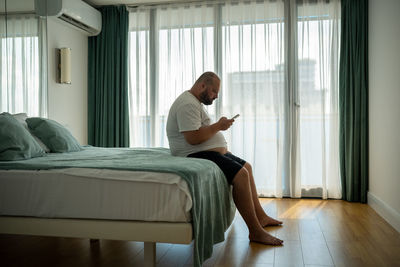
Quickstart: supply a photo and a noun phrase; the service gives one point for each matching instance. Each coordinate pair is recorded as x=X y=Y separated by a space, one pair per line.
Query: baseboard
x=388 y=213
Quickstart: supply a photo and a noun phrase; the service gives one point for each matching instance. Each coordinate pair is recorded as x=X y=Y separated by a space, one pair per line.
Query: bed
x=198 y=187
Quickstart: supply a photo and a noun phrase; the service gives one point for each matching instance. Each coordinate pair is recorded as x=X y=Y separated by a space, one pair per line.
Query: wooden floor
x=315 y=233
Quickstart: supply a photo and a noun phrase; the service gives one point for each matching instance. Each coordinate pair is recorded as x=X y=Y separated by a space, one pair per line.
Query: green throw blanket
x=213 y=208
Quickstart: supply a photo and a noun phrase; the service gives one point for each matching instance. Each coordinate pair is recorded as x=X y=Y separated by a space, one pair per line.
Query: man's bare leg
x=263 y=218
x=242 y=197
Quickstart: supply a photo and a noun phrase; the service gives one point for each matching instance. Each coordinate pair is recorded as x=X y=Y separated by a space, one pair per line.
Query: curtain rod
x=19 y=13
x=208 y=2
x=182 y=3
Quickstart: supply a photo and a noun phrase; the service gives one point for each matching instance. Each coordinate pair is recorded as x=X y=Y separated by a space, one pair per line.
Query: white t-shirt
x=188 y=114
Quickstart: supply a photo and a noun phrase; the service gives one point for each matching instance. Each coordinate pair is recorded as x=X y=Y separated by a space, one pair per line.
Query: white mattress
x=95 y=194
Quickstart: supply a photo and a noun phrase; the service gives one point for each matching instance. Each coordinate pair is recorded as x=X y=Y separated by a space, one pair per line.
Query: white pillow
x=21 y=117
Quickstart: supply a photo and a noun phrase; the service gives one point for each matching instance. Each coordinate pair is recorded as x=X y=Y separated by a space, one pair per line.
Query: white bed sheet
x=95 y=194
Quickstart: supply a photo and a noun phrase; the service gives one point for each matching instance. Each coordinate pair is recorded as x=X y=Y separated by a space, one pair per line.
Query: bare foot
x=268 y=221
x=265 y=238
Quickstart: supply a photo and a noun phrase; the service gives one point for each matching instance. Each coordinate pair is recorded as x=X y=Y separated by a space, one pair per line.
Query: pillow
x=55 y=136
x=21 y=117
x=16 y=142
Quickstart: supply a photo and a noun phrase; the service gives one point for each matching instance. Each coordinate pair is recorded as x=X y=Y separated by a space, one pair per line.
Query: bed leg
x=149 y=254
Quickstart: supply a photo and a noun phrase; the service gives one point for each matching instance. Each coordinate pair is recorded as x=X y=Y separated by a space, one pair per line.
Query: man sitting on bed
x=191 y=134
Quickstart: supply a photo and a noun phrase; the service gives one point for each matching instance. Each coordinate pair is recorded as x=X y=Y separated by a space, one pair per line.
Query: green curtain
x=108 y=115
x=353 y=100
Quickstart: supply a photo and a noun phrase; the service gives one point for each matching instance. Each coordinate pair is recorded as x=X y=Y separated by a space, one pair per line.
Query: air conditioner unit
x=74 y=12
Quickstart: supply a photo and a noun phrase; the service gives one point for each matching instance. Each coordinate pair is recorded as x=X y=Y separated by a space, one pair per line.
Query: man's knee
x=241 y=176
x=248 y=167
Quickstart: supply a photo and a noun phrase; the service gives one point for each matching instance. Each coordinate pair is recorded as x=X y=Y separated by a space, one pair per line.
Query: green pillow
x=55 y=136
x=16 y=141
x=21 y=117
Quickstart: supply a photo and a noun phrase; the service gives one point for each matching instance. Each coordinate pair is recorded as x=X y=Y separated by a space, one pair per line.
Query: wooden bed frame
x=148 y=232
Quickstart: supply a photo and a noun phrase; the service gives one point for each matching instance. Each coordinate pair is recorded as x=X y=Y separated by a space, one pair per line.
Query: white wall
x=384 y=109
x=68 y=102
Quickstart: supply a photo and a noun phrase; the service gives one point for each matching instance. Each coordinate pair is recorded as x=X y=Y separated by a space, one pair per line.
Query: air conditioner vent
x=77 y=23
x=74 y=12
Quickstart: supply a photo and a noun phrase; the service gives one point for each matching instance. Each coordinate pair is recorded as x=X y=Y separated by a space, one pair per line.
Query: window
x=23 y=65
x=278 y=65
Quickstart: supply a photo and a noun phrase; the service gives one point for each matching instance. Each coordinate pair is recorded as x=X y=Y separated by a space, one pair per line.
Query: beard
x=205 y=99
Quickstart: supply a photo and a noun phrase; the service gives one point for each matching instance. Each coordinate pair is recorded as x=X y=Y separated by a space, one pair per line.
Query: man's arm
x=206 y=132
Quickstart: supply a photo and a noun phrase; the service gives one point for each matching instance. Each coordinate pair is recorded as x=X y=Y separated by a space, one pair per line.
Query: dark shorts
x=228 y=163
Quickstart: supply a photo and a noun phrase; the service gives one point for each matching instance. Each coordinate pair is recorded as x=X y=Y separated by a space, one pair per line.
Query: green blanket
x=213 y=208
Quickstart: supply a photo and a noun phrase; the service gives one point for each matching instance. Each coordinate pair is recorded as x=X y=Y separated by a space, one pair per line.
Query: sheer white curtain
x=23 y=65
x=139 y=79
x=253 y=85
x=278 y=63
x=170 y=46
x=318 y=33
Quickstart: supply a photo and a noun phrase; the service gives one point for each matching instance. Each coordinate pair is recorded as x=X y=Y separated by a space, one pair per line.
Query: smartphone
x=234 y=117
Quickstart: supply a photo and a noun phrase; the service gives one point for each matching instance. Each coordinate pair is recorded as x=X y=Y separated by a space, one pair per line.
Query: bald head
x=208 y=78
x=206 y=87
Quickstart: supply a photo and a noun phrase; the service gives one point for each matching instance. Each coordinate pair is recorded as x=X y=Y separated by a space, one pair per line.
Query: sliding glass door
x=253 y=85
x=23 y=60
x=278 y=64
x=317 y=43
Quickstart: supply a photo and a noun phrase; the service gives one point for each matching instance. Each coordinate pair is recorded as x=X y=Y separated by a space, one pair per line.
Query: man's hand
x=224 y=123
